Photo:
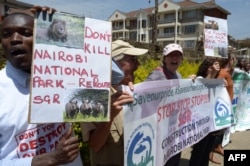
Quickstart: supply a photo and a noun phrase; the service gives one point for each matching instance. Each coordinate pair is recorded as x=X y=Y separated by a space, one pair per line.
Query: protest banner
x=241 y=101
x=170 y=115
x=215 y=37
x=71 y=69
x=240 y=104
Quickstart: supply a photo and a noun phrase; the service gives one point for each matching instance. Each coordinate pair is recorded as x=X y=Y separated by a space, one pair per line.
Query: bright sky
x=238 y=21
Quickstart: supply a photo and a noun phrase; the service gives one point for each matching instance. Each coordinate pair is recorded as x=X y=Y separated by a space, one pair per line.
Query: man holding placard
x=22 y=143
x=106 y=139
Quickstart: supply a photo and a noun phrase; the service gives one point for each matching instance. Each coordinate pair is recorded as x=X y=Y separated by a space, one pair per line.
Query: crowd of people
x=17 y=43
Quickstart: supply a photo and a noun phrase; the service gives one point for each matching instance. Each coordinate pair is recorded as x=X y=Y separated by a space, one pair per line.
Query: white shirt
x=20 y=141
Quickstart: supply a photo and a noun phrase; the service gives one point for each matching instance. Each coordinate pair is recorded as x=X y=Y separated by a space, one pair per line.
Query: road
x=239 y=141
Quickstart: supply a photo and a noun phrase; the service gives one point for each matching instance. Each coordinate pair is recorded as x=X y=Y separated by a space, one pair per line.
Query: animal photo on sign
x=85 y=105
x=63 y=30
x=211 y=24
x=57 y=30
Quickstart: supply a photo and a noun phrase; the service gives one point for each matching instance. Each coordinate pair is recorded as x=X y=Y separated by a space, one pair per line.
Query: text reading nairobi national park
x=70 y=70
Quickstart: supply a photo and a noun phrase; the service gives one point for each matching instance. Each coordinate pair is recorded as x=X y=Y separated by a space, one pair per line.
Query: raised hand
x=66 y=152
x=47 y=9
x=67 y=149
x=118 y=100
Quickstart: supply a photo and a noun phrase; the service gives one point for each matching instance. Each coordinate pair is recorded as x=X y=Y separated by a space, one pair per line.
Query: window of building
x=120 y=23
x=133 y=23
x=189 y=14
x=168 y=30
x=143 y=37
x=117 y=36
x=189 y=44
x=144 y=23
x=132 y=36
x=117 y=25
x=120 y=35
x=189 y=29
x=169 y=17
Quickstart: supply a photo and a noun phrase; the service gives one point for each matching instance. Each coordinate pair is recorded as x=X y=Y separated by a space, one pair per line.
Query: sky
x=238 y=22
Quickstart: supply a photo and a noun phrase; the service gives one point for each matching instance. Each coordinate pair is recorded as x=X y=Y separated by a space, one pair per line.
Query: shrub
x=145 y=68
x=187 y=68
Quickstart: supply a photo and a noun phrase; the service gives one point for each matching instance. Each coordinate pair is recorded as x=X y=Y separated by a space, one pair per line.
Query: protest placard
x=215 y=37
x=71 y=69
x=170 y=115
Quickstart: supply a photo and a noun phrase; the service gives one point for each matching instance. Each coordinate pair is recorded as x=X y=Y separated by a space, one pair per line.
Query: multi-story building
x=179 y=22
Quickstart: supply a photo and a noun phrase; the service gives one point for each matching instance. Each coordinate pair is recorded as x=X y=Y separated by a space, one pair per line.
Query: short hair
x=12 y=11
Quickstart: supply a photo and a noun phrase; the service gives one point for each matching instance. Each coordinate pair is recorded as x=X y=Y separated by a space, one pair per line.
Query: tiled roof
x=133 y=13
x=189 y=3
x=182 y=3
x=207 y=4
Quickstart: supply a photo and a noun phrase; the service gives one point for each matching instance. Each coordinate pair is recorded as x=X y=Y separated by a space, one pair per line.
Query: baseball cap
x=119 y=48
x=171 y=48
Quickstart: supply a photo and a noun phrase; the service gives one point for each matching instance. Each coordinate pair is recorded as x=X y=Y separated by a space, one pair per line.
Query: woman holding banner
x=227 y=68
x=172 y=58
x=209 y=68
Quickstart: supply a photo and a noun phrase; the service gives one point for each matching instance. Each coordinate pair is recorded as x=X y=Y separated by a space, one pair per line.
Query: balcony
x=166 y=21
x=165 y=35
x=131 y=27
x=188 y=35
x=117 y=27
x=194 y=19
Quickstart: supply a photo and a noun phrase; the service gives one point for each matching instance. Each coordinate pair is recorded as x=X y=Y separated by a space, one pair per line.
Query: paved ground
x=239 y=141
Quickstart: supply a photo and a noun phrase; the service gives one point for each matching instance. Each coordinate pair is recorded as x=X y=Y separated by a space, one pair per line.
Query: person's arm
x=103 y=129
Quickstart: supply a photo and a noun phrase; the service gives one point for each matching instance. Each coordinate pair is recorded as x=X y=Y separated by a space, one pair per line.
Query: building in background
x=178 y=22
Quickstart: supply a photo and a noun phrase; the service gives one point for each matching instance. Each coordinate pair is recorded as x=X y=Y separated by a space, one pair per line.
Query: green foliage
x=2 y=62
x=187 y=68
x=84 y=148
x=145 y=68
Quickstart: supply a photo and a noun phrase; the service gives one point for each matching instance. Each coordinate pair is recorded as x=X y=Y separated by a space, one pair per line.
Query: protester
x=23 y=143
x=226 y=71
x=209 y=68
x=106 y=139
x=227 y=68
x=172 y=58
x=241 y=64
x=248 y=68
